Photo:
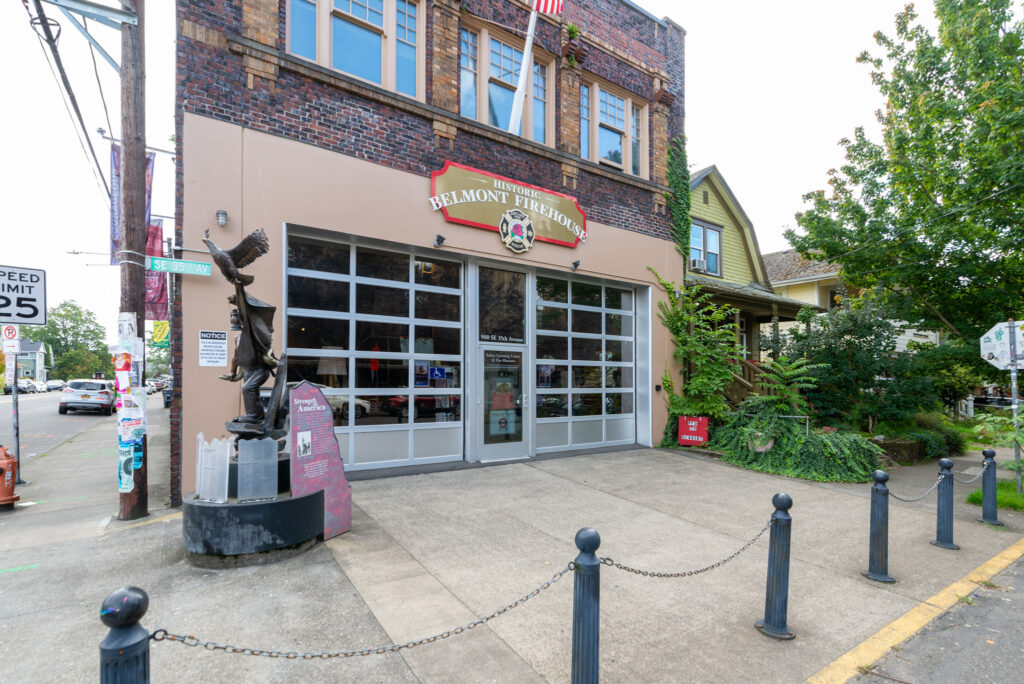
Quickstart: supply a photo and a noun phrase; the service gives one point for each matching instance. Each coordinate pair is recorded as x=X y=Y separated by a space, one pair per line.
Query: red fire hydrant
x=8 y=476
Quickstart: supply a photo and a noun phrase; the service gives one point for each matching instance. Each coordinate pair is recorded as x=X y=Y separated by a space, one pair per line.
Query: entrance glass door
x=503 y=404
x=501 y=360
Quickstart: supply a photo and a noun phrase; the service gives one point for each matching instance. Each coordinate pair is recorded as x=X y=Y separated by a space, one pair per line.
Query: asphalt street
x=980 y=639
x=41 y=427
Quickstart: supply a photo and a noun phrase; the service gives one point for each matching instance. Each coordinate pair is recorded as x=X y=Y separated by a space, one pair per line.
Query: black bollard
x=878 y=554
x=586 y=609
x=989 y=507
x=776 y=598
x=124 y=652
x=944 y=512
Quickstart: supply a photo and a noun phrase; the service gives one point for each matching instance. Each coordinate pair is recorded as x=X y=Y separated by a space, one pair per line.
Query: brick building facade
x=322 y=122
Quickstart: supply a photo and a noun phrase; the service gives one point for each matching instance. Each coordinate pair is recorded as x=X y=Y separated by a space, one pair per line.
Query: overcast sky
x=770 y=89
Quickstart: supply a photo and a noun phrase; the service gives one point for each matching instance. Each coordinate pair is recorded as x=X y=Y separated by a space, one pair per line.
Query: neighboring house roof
x=751 y=293
x=712 y=175
x=28 y=347
x=789 y=265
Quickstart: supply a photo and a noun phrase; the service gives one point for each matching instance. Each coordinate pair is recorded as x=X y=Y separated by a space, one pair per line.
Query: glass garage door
x=380 y=332
x=584 y=367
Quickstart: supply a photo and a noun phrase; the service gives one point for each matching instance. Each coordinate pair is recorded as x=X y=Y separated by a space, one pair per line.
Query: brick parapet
x=312 y=104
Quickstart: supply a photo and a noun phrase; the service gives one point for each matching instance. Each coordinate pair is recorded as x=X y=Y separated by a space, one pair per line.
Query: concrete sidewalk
x=429 y=553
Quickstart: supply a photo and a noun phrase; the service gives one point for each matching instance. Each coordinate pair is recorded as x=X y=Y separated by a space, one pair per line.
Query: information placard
x=213 y=348
x=316 y=457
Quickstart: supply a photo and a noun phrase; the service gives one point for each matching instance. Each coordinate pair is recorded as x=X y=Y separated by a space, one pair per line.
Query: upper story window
x=585 y=121
x=706 y=248
x=618 y=131
x=379 y=41
x=488 y=86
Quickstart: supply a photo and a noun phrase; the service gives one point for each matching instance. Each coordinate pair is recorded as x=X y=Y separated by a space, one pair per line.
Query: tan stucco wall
x=736 y=267
x=264 y=181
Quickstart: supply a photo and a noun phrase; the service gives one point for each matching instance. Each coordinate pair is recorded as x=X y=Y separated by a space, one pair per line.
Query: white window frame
x=325 y=13
x=484 y=34
x=630 y=103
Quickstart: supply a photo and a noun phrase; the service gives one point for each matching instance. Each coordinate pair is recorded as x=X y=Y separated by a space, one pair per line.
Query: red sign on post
x=693 y=430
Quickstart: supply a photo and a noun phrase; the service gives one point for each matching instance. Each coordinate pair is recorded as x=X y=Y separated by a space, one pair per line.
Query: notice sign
x=520 y=212
x=316 y=457
x=693 y=430
x=213 y=348
x=22 y=295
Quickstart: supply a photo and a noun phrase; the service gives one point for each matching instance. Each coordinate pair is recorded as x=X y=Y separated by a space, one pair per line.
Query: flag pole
x=517 y=103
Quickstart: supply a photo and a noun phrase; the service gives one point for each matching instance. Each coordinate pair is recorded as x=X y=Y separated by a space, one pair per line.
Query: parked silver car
x=87 y=395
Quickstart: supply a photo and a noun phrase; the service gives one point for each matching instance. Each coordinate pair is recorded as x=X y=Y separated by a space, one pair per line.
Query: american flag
x=548 y=6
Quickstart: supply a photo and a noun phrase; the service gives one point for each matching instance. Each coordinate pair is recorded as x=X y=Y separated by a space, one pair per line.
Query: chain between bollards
x=776 y=599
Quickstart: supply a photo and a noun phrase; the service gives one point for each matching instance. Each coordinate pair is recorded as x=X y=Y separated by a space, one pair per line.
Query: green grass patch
x=1006 y=496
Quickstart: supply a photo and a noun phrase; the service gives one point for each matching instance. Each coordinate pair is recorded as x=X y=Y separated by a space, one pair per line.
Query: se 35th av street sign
x=22 y=295
x=178 y=266
x=995 y=345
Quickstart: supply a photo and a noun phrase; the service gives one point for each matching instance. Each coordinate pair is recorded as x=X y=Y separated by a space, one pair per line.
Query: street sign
x=10 y=346
x=11 y=363
x=11 y=332
x=22 y=295
x=995 y=345
x=180 y=266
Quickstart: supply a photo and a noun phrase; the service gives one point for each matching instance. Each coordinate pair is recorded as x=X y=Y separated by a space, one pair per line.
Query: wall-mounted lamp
x=222 y=218
x=575 y=264
x=439 y=240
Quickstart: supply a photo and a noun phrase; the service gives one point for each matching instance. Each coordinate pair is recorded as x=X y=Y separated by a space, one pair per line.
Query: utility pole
x=134 y=504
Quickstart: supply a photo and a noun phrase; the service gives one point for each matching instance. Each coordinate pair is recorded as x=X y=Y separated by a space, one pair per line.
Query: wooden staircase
x=746 y=380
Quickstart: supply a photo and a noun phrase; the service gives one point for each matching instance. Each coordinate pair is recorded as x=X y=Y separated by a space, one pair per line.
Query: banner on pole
x=156 y=282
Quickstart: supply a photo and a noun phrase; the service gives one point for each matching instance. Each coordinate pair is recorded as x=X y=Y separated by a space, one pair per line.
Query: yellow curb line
x=141 y=523
x=899 y=630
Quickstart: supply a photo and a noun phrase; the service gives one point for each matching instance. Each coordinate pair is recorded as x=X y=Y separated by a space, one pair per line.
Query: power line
x=41 y=20
x=99 y=85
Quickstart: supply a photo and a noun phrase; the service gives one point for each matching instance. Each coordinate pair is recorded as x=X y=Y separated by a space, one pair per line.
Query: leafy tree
x=931 y=217
x=866 y=381
x=704 y=337
x=953 y=369
x=82 y=363
x=69 y=327
x=157 y=361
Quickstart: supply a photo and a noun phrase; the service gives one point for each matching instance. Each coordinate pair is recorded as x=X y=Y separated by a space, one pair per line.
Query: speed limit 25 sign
x=22 y=295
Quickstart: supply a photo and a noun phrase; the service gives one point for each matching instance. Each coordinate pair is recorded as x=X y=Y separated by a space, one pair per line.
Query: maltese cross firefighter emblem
x=516 y=230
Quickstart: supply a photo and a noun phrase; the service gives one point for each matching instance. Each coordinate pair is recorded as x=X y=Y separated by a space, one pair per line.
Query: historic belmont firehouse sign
x=521 y=213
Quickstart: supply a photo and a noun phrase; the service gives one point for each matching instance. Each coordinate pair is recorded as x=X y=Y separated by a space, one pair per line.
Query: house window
x=496 y=78
x=540 y=90
x=405 y=47
x=634 y=141
x=375 y=40
x=467 y=73
x=618 y=129
x=611 y=124
x=501 y=89
x=706 y=246
x=585 y=121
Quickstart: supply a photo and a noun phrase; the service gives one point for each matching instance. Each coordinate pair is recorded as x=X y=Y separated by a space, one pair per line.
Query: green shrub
x=827 y=456
x=934 y=445
x=955 y=438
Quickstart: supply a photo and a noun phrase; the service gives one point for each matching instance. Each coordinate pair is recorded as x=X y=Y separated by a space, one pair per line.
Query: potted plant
x=574 y=50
